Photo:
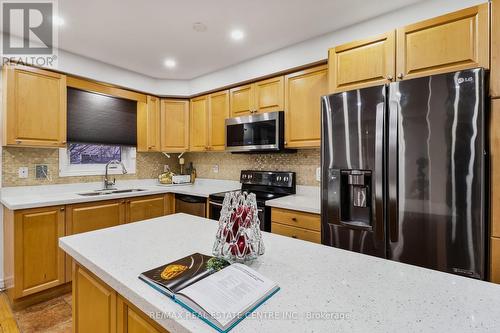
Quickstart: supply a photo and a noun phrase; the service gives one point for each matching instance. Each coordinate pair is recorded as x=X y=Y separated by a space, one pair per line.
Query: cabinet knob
x=294 y=219
x=390 y=77
x=400 y=76
x=18 y=142
x=294 y=236
x=62 y=209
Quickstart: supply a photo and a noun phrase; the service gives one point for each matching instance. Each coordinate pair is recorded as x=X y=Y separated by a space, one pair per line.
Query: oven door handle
x=220 y=205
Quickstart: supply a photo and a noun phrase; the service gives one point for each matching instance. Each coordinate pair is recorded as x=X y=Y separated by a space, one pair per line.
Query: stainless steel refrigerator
x=404 y=172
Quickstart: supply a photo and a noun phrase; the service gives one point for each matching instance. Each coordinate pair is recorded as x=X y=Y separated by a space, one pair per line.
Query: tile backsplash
x=150 y=165
x=304 y=163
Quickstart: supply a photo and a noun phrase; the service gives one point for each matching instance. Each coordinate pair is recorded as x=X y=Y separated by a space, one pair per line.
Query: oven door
x=259 y=132
x=264 y=215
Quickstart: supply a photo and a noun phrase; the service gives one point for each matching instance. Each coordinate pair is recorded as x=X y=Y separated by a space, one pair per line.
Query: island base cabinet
x=132 y=320
x=98 y=308
x=94 y=304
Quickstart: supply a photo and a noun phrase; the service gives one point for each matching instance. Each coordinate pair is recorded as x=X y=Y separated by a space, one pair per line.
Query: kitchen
x=346 y=136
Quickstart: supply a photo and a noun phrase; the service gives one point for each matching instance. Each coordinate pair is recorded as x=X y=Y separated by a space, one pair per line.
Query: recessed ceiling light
x=170 y=63
x=237 y=34
x=57 y=20
x=199 y=27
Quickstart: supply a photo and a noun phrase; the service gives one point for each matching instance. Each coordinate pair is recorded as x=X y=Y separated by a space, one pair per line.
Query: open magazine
x=219 y=293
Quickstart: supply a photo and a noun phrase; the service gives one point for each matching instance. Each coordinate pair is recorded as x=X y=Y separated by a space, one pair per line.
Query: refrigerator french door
x=404 y=172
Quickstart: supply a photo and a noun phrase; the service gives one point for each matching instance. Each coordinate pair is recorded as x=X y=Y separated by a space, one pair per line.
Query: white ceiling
x=139 y=35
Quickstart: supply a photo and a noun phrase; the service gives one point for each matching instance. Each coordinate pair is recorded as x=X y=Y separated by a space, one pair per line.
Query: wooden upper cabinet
x=495 y=45
x=148 y=125
x=35 y=102
x=38 y=260
x=303 y=91
x=174 y=125
x=218 y=111
x=259 y=97
x=362 y=63
x=269 y=95
x=447 y=43
x=242 y=100
x=199 y=124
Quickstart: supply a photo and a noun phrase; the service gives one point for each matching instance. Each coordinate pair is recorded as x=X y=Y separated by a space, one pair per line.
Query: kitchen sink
x=107 y=192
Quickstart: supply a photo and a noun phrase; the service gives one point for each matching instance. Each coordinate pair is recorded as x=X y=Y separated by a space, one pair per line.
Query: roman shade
x=100 y=119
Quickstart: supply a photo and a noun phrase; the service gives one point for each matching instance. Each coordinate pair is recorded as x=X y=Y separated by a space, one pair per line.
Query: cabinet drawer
x=296 y=219
x=298 y=233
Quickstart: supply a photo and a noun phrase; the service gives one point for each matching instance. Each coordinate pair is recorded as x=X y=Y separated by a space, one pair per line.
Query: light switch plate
x=318 y=174
x=23 y=172
x=165 y=168
x=215 y=168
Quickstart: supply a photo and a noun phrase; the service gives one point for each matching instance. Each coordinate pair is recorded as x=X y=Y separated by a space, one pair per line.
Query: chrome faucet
x=110 y=185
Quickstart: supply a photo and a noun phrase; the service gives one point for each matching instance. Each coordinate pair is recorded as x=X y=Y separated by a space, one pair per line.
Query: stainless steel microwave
x=260 y=132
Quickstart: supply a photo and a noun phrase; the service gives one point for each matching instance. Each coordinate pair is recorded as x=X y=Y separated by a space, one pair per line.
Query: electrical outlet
x=166 y=168
x=215 y=168
x=23 y=172
x=318 y=174
x=41 y=171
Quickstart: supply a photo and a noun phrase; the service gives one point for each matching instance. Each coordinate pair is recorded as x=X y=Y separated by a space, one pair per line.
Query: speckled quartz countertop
x=50 y=195
x=307 y=199
x=323 y=289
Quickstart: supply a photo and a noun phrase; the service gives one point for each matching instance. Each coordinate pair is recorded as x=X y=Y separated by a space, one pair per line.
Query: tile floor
x=53 y=316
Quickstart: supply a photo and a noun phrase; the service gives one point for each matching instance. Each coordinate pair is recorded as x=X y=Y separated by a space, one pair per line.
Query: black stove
x=266 y=185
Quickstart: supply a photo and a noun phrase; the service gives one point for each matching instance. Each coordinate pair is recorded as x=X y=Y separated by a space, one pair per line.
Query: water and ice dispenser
x=355 y=198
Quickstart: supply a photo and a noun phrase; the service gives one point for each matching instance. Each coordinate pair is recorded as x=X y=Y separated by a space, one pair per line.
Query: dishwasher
x=191 y=204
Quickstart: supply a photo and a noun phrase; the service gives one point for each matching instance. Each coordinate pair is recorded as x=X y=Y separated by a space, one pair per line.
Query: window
x=90 y=159
x=80 y=153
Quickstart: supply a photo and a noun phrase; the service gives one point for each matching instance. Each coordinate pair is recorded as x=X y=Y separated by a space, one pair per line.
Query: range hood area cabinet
x=207 y=125
x=35 y=107
x=452 y=42
x=258 y=97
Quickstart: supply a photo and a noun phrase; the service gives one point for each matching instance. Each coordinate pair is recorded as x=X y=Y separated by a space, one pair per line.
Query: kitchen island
x=323 y=289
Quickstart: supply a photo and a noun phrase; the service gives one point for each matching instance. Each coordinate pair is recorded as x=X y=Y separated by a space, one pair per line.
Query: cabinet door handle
x=294 y=236
x=400 y=76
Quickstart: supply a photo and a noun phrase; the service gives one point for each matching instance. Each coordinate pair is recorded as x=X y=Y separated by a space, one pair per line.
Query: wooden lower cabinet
x=295 y=224
x=144 y=208
x=94 y=304
x=33 y=261
x=99 y=308
x=132 y=320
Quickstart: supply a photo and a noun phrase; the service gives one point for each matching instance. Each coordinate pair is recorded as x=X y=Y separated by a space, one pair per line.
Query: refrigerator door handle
x=392 y=174
x=379 y=169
